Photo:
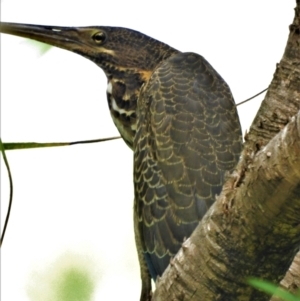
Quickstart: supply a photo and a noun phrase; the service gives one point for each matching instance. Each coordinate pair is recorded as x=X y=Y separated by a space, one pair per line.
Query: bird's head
x=127 y=57
x=111 y=48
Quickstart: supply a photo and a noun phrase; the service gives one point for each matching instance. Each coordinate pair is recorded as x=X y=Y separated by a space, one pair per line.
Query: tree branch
x=283 y=98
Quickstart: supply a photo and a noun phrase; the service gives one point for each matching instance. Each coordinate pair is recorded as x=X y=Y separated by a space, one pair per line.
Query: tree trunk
x=253 y=229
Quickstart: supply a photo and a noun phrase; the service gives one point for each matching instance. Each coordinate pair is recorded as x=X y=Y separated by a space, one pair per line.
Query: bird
x=178 y=116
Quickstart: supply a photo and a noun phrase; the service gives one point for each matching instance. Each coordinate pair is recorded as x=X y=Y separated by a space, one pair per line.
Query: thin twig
x=10 y=194
x=26 y=145
x=240 y=103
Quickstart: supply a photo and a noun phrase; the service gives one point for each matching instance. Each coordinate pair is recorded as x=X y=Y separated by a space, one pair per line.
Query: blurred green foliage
x=71 y=277
x=75 y=285
x=42 y=48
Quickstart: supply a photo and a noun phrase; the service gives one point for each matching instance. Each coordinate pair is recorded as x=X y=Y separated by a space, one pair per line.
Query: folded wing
x=188 y=136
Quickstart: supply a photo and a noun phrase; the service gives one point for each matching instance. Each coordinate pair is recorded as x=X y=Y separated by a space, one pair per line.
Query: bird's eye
x=99 y=37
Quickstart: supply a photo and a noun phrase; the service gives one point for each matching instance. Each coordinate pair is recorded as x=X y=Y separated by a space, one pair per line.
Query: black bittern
x=176 y=113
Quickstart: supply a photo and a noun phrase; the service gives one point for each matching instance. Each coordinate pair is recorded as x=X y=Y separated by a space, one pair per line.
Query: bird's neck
x=124 y=87
x=123 y=90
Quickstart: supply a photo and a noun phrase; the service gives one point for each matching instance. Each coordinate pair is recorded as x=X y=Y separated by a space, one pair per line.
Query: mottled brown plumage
x=178 y=116
x=188 y=136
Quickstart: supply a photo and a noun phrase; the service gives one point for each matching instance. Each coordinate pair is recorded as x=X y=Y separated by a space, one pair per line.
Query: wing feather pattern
x=188 y=136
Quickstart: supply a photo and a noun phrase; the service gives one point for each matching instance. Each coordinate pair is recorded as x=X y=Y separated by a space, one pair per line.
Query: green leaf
x=272 y=289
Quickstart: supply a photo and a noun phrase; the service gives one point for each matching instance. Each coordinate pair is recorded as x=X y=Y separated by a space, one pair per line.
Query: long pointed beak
x=63 y=37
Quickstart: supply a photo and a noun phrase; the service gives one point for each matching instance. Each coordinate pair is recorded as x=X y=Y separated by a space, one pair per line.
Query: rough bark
x=253 y=229
x=291 y=281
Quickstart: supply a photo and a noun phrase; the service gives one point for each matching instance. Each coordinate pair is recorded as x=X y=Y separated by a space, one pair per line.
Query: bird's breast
x=122 y=106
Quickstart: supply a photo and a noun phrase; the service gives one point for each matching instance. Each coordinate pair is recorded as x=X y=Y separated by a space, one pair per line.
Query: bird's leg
x=146 y=291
